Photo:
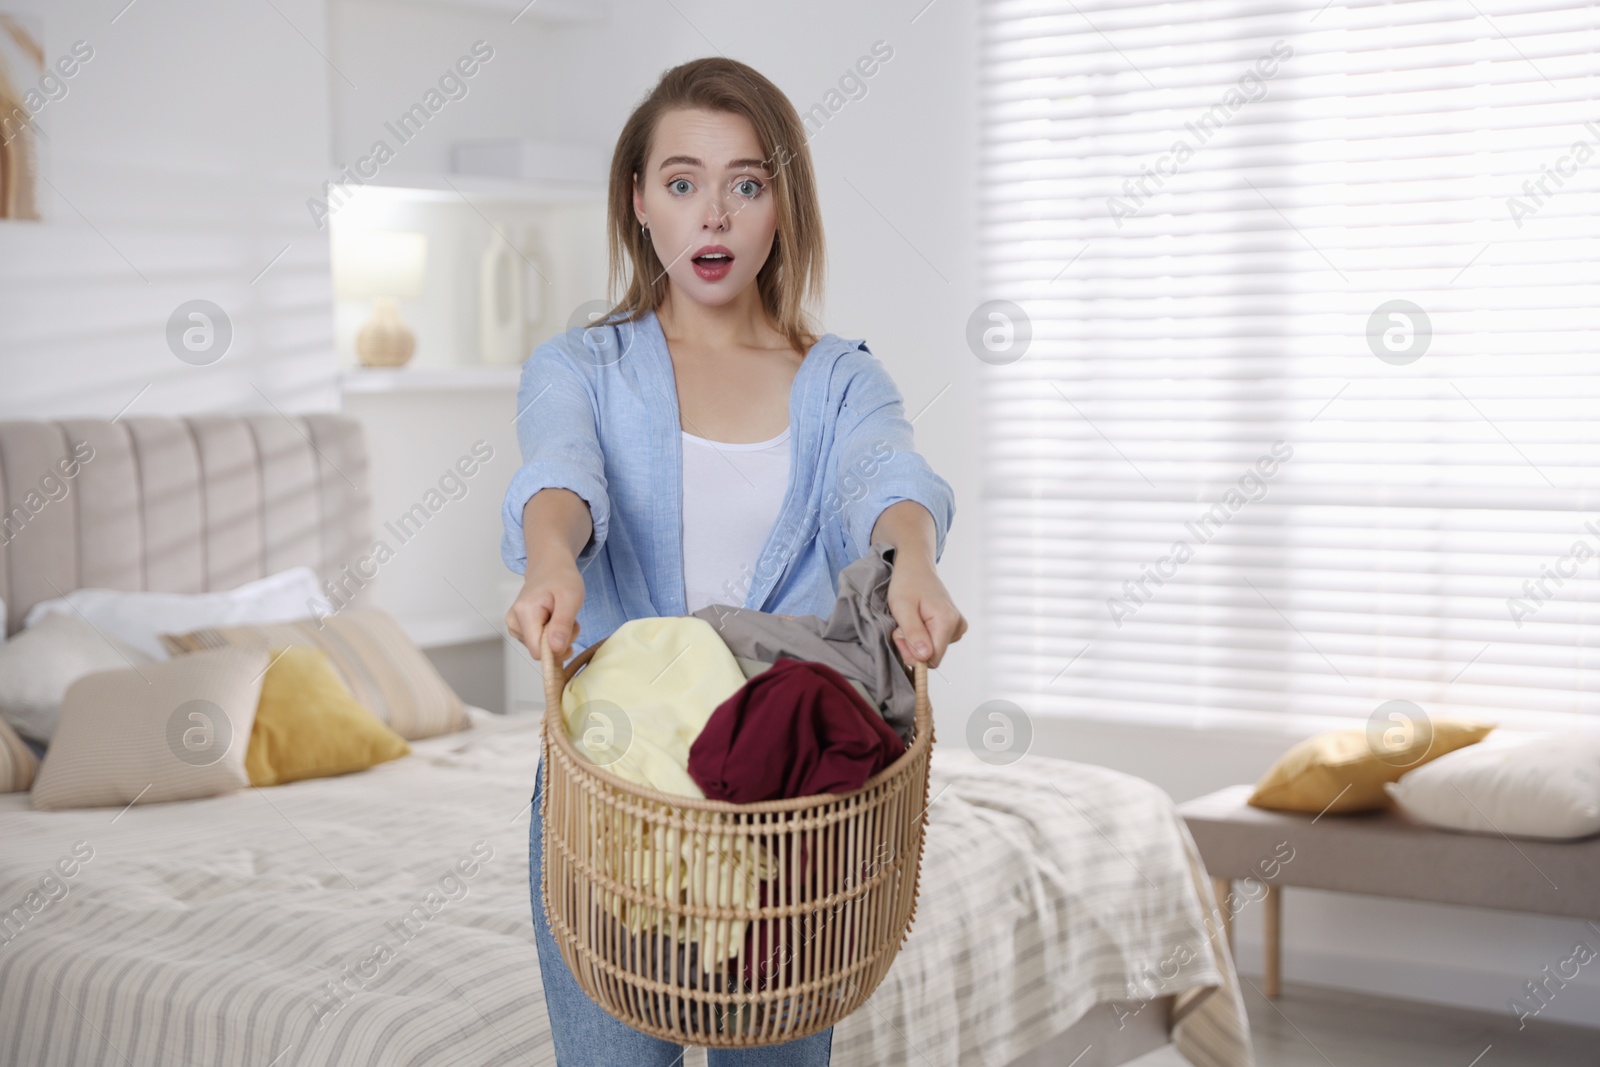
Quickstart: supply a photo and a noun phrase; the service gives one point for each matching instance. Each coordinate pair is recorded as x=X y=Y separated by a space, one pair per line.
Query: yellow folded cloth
x=705 y=869
x=634 y=710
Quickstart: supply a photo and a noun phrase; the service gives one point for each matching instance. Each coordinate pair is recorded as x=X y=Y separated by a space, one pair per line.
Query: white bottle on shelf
x=501 y=296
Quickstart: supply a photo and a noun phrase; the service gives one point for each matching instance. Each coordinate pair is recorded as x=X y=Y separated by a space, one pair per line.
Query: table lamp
x=382 y=266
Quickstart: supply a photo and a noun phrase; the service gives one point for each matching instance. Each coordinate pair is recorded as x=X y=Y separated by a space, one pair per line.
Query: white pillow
x=38 y=665
x=139 y=618
x=1547 y=788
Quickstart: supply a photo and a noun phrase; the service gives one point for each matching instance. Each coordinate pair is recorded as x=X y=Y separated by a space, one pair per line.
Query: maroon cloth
x=796 y=729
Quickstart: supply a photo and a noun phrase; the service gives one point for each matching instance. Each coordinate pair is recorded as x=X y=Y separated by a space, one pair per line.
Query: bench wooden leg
x=1272 y=929
x=1222 y=888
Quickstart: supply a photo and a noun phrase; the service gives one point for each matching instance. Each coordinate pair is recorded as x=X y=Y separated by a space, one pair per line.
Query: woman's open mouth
x=713 y=266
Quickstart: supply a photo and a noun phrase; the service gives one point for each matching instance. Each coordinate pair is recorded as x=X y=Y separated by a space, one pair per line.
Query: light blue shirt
x=597 y=413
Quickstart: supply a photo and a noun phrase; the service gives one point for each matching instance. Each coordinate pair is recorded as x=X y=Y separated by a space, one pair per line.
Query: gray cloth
x=854 y=640
x=753 y=667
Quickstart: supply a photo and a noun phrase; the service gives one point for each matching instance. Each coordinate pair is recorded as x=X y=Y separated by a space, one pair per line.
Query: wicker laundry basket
x=845 y=870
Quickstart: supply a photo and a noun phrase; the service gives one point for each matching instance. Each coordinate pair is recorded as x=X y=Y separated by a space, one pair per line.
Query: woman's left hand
x=928 y=619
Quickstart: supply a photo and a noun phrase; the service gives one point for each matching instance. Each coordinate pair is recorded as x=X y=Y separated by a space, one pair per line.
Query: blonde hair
x=793 y=274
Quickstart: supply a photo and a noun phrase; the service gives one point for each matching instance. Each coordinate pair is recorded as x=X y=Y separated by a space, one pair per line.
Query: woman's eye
x=748 y=188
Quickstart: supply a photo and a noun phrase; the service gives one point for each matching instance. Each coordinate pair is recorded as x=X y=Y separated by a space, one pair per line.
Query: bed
x=1065 y=917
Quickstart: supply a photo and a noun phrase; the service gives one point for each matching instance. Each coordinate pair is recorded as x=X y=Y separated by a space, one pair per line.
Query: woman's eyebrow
x=691 y=161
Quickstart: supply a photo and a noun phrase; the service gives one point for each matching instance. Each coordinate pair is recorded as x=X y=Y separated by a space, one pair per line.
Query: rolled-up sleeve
x=878 y=464
x=556 y=429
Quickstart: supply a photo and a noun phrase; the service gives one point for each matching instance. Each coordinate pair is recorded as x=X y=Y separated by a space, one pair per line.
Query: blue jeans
x=586 y=1034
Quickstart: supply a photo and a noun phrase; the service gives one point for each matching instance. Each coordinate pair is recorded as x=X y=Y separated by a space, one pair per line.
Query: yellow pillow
x=309 y=726
x=1345 y=771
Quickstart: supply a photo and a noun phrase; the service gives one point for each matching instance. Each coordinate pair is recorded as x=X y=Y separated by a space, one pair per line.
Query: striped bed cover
x=384 y=918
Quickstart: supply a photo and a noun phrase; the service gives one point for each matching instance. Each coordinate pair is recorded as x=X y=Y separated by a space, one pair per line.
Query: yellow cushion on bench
x=1343 y=771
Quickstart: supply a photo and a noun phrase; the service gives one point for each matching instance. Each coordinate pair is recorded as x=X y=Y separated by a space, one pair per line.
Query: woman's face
x=704 y=185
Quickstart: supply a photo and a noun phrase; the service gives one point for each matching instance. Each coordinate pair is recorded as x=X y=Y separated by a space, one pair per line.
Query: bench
x=1383 y=854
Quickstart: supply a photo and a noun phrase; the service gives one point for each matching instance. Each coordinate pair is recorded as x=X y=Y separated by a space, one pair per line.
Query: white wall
x=446 y=571
x=396 y=51
x=175 y=168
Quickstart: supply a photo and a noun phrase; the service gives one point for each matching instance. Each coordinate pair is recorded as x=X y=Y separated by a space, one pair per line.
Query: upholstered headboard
x=180 y=505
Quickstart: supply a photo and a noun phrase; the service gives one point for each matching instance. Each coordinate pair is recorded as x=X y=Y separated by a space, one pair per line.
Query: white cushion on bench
x=1547 y=788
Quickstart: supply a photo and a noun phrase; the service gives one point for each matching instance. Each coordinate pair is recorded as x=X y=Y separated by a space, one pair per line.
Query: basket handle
x=924 y=710
x=554 y=678
x=551 y=671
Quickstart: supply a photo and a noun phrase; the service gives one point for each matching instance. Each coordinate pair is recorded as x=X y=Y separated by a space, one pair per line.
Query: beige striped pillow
x=381 y=666
x=17 y=761
x=172 y=730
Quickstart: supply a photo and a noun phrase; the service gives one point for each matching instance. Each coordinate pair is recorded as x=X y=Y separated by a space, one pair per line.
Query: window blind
x=1293 y=317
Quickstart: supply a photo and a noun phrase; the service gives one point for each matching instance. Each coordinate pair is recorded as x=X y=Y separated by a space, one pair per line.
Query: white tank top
x=731 y=496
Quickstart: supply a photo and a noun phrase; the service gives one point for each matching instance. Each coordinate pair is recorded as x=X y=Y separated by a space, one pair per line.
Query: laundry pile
x=738 y=705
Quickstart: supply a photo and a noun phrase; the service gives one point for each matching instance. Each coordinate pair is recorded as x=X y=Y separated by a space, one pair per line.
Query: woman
x=699 y=445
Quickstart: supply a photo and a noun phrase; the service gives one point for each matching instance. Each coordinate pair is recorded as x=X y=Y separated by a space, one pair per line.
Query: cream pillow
x=385 y=671
x=18 y=764
x=1540 y=788
x=38 y=664
x=171 y=730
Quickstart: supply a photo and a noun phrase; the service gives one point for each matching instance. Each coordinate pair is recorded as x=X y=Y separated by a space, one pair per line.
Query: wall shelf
x=417 y=186
x=428 y=379
x=553 y=12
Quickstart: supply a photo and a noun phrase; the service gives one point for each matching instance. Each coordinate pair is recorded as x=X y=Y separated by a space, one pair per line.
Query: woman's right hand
x=548 y=602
